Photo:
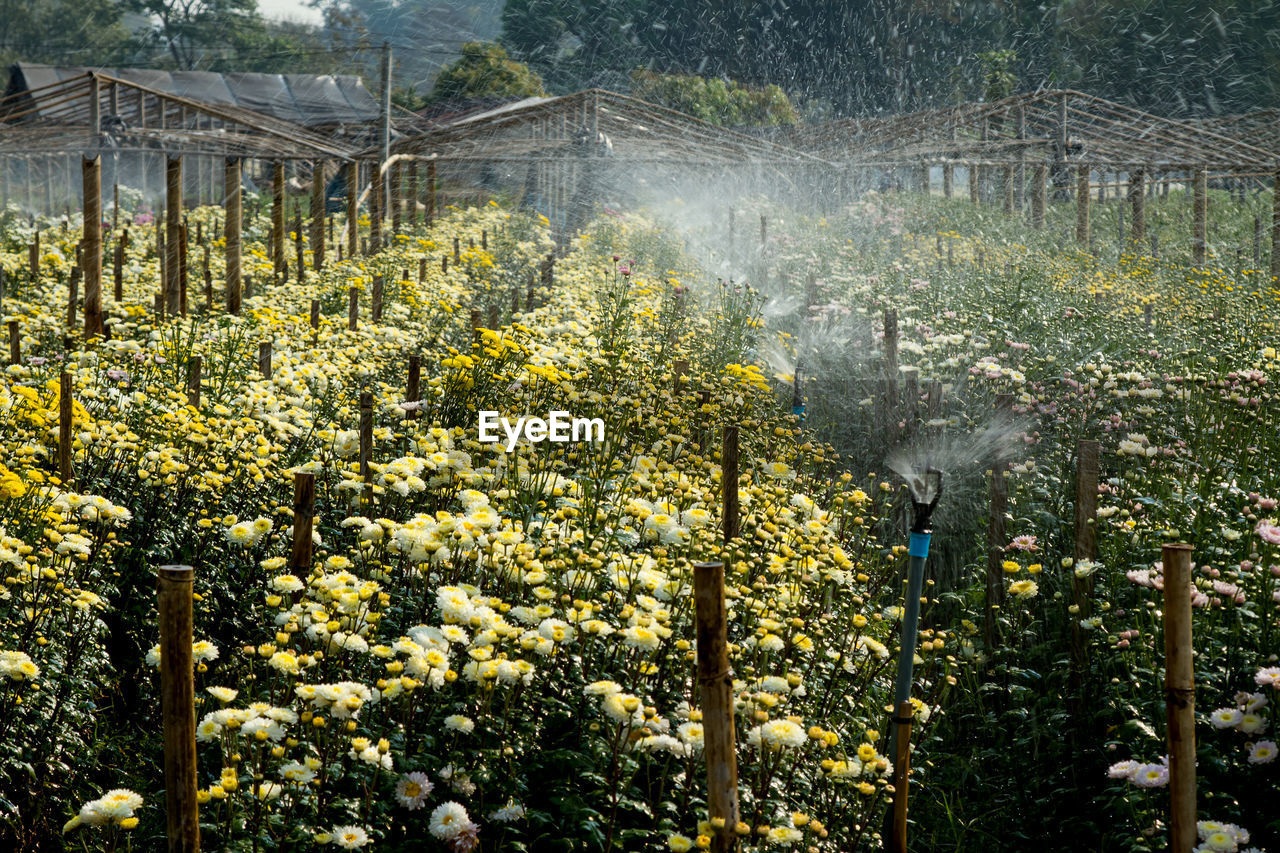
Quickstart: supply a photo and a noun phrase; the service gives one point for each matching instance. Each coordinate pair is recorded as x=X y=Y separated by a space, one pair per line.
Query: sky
x=292 y=10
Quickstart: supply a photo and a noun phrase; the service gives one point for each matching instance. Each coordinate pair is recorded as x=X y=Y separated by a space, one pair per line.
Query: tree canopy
x=485 y=70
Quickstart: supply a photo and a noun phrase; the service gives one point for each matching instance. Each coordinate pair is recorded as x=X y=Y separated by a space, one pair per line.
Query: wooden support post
x=278 y=261
x=299 y=253
x=678 y=369
x=395 y=196
x=375 y=207
x=195 y=365
x=353 y=208
x=412 y=394
x=715 y=691
x=304 y=510
x=1138 y=201
x=948 y=180
x=178 y=708
x=172 y=231
x=182 y=268
x=484 y=239
x=431 y=193
x=729 y=482
x=1257 y=242
x=1082 y=206
x=73 y=294
x=353 y=307
x=973 y=183
x=1200 y=215
x=1085 y=548
x=901 y=772
x=264 y=359
x=91 y=169
x=117 y=266
x=1275 y=227
x=475 y=324
x=231 y=230
x=444 y=264
x=66 y=413
x=1039 y=174
x=207 y=274
x=315 y=315
x=1008 y=189
x=375 y=304
x=366 y=434
x=33 y=256
x=999 y=502
x=422 y=270
x=1179 y=693
x=411 y=197
x=317 y=214
x=15 y=343
x=457 y=250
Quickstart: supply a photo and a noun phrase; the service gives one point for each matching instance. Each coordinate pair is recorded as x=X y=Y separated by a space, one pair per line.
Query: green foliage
x=61 y=31
x=717 y=101
x=485 y=70
x=998 y=81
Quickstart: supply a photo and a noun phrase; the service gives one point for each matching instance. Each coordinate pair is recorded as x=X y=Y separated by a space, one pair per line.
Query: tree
x=184 y=27
x=81 y=32
x=721 y=102
x=485 y=70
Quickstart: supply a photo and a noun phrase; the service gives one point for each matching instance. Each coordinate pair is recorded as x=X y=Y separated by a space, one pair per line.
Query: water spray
x=797 y=393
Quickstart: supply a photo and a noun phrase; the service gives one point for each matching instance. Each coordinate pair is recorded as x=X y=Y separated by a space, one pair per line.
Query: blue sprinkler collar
x=919 y=546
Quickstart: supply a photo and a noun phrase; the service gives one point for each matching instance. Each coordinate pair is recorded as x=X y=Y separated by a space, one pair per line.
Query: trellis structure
x=561 y=155
x=1014 y=149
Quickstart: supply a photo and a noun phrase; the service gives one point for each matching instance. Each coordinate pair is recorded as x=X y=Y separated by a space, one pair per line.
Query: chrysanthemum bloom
x=1024 y=589
x=459 y=723
x=222 y=694
x=349 y=837
x=1225 y=718
x=413 y=789
x=679 y=844
x=1268 y=675
x=448 y=820
x=1252 y=724
x=1262 y=752
x=1151 y=776
x=780 y=733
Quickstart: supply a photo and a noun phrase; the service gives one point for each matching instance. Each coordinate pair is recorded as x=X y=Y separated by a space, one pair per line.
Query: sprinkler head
x=924 y=511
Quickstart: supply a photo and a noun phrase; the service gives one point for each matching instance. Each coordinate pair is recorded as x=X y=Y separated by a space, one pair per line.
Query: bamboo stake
x=1275 y=227
x=1082 y=206
x=194 y=368
x=901 y=771
x=278 y=263
x=973 y=184
x=304 y=510
x=1138 y=201
x=33 y=257
x=178 y=708
x=353 y=207
x=431 y=193
x=1086 y=545
x=173 y=226
x=207 y=273
x=353 y=307
x=366 y=434
x=948 y=180
x=231 y=230
x=182 y=268
x=412 y=394
x=1200 y=214
x=715 y=689
x=264 y=359
x=729 y=482
x=117 y=266
x=1179 y=693
x=65 y=421
x=1039 y=175
x=679 y=368
x=91 y=173
x=375 y=208
x=73 y=293
x=299 y=253
x=15 y=343
x=375 y=307
x=315 y=315
x=317 y=214
x=422 y=270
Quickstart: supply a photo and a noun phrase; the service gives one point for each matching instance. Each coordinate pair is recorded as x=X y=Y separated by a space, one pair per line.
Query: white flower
x=459 y=723
x=449 y=819
x=1262 y=752
x=1225 y=718
x=350 y=837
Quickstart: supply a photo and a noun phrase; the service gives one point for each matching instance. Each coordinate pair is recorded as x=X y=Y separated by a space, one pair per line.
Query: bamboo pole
x=973 y=184
x=178 y=708
x=1008 y=189
x=66 y=412
x=353 y=307
x=172 y=240
x=33 y=256
x=194 y=368
x=117 y=266
x=264 y=359
x=304 y=510
x=412 y=195
x=729 y=482
x=1039 y=175
x=1200 y=215
x=1275 y=227
x=278 y=262
x=1082 y=206
x=901 y=771
x=715 y=691
x=375 y=304
x=1179 y=693
x=394 y=195
x=412 y=394
x=948 y=180
x=299 y=252
x=1085 y=548
x=15 y=343
x=366 y=435
x=678 y=369
x=207 y=273
x=231 y=230
x=91 y=173
x=375 y=209
x=431 y=193
x=73 y=293
x=353 y=207
x=317 y=214
x=1138 y=201
x=315 y=317
x=182 y=268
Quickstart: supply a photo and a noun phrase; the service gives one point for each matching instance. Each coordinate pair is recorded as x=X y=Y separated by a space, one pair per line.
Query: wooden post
x=901 y=770
x=729 y=482
x=182 y=268
x=366 y=434
x=117 y=266
x=973 y=183
x=299 y=252
x=1039 y=174
x=457 y=250
x=678 y=369
x=353 y=307
x=715 y=690
x=33 y=254
x=412 y=394
x=422 y=270
x=353 y=207
x=207 y=273
x=304 y=510
x=484 y=239
x=1086 y=546
x=264 y=359
x=375 y=305
x=1082 y=206
x=1138 y=201
x=394 y=195
x=231 y=230
x=1008 y=189
x=278 y=261
x=65 y=422
x=1257 y=242
x=91 y=169
x=194 y=367
x=178 y=708
x=317 y=214
x=475 y=324
x=315 y=315
x=15 y=343
x=73 y=293
x=999 y=502
x=1179 y=694
x=1275 y=227
x=431 y=193
x=411 y=196
x=1200 y=215
x=172 y=240
x=375 y=207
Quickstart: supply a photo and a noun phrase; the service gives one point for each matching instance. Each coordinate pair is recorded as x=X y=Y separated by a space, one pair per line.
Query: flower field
x=494 y=650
